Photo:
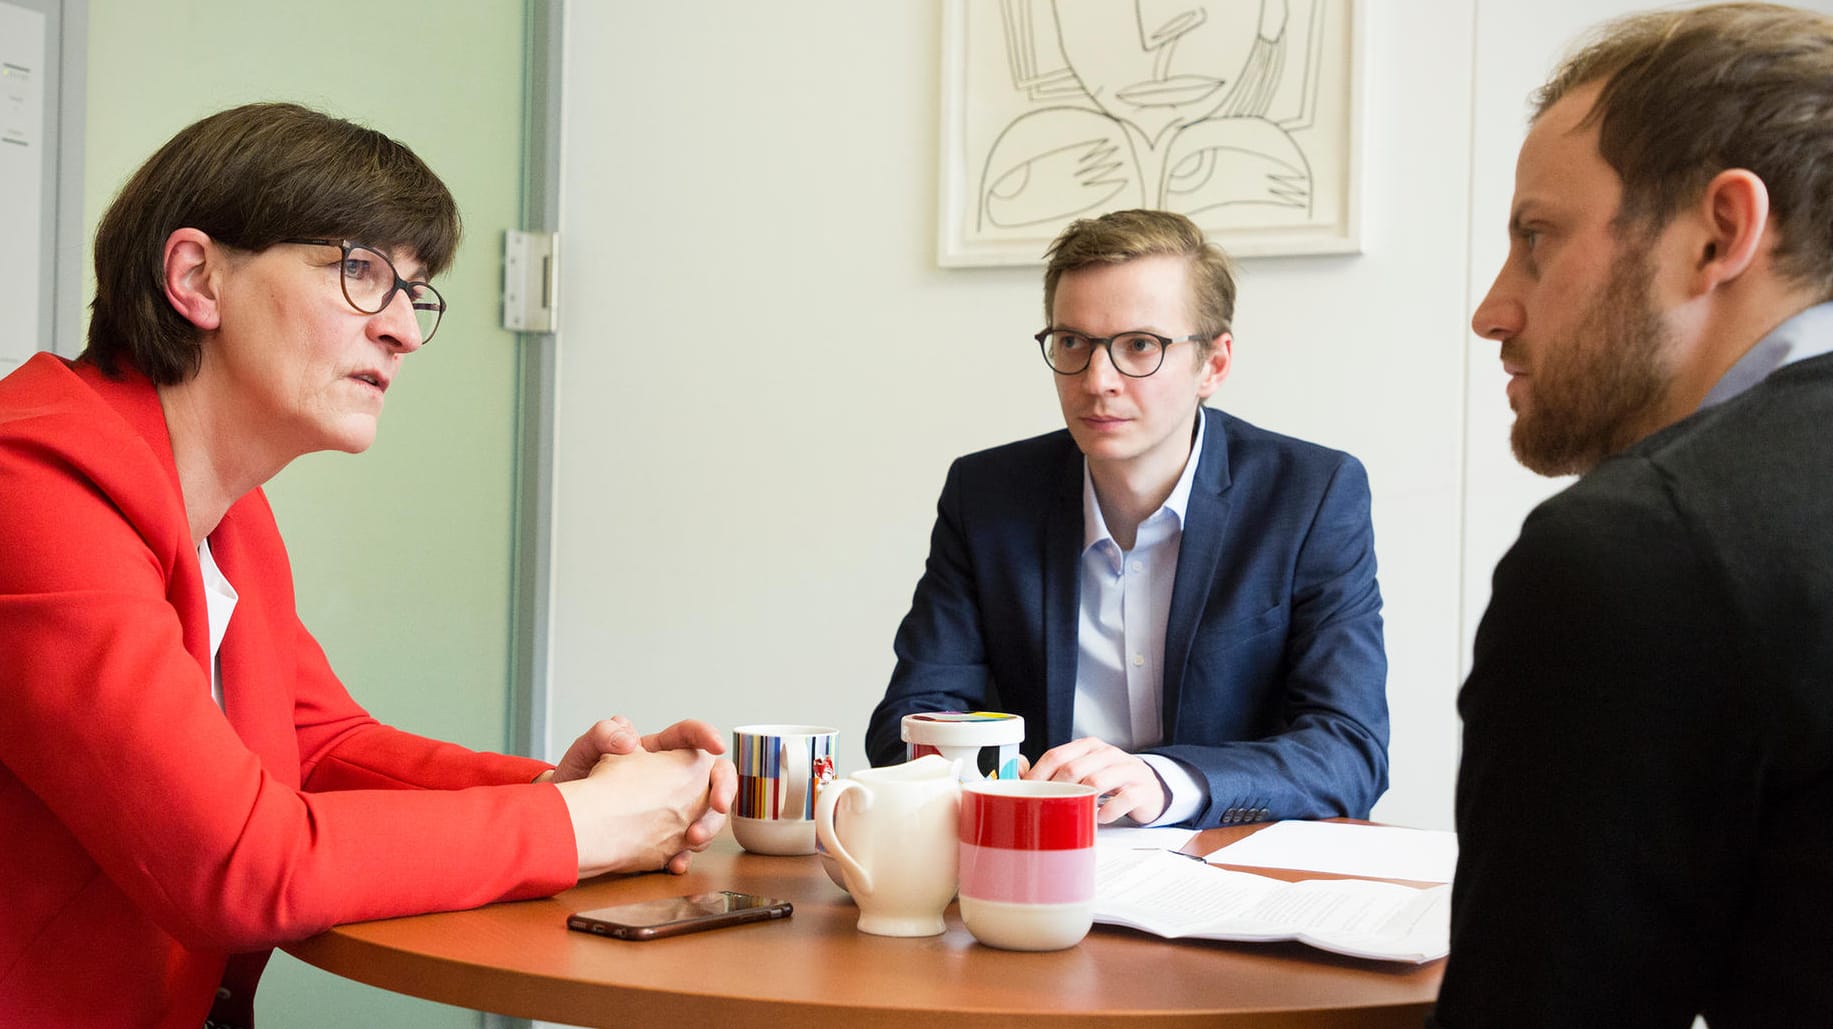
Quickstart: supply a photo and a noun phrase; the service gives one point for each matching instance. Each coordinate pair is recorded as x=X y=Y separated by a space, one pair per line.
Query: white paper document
x=1175 y=897
x=1133 y=838
x=1370 y=851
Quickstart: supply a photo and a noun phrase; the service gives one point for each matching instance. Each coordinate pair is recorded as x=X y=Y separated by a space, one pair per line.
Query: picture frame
x=1053 y=111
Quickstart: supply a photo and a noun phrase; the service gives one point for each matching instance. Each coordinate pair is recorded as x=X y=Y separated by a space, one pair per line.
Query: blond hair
x=1121 y=236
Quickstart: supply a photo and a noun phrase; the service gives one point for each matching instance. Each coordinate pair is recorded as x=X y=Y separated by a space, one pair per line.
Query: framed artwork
x=1241 y=114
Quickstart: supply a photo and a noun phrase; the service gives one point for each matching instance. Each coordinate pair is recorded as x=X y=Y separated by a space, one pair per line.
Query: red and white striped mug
x=1027 y=862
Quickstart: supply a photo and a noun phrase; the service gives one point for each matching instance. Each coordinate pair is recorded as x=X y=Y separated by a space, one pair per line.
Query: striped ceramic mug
x=1027 y=862
x=781 y=769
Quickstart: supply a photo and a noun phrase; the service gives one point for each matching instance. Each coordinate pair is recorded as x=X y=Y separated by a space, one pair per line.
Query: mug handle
x=793 y=766
x=826 y=801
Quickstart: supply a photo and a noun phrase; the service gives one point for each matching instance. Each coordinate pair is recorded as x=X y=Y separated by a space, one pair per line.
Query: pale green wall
x=402 y=555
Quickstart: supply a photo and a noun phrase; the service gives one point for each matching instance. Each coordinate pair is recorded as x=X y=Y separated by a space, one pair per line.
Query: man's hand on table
x=1128 y=785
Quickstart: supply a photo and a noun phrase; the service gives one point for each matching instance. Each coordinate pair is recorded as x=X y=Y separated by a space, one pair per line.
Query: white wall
x=748 y=458
x=1364 y=353
x=1517 y=45
x=746 y=466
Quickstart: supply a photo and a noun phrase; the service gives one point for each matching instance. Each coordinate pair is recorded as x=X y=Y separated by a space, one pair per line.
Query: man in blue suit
x=1182 y=605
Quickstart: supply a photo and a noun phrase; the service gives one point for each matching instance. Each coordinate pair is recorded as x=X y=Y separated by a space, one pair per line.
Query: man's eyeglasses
x=370 y=282
x=1134 y=354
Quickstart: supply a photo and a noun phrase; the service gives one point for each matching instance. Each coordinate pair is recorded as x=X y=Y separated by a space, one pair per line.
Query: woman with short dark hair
x=184 y=783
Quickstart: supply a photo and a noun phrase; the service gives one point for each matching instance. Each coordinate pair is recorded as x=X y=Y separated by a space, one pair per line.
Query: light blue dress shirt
x=1120 y=635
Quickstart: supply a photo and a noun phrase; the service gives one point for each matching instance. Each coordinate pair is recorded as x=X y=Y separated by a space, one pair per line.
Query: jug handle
x=793 y=759
x=825 y=802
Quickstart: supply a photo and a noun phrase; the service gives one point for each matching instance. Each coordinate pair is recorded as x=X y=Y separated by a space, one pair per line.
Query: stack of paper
x=1174 y=896
x=1369 y=851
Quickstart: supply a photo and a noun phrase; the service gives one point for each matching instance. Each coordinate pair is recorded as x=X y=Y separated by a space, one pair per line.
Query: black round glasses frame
x=1164 y=343
x=435 y=308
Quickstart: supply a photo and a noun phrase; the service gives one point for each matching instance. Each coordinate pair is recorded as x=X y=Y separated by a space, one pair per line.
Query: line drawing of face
x=1188 y=58
x=1149 y=103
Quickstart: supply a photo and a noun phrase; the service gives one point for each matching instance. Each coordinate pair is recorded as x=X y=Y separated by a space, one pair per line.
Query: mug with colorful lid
x=986 y=742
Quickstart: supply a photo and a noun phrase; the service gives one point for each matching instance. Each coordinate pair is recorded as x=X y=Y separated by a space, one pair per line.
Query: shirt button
x=1138 y=659
x=1138 y=566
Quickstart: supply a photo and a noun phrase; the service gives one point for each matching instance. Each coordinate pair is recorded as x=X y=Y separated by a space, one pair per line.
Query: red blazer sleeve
x=131 y=802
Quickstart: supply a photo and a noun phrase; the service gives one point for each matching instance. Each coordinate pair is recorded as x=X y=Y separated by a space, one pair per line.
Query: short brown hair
x=1688 y=94
x=250 y=177
x=1120 y=236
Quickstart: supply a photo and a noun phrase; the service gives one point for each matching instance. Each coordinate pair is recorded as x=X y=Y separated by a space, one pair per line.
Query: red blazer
x=149 y=835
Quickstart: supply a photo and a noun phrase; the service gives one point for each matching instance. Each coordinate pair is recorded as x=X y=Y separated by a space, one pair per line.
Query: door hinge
x=531 y=281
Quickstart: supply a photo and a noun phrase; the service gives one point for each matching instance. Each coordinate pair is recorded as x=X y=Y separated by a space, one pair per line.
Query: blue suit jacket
x=1275 y=677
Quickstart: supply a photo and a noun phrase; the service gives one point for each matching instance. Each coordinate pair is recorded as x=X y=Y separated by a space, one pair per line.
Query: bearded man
x=1647 y=769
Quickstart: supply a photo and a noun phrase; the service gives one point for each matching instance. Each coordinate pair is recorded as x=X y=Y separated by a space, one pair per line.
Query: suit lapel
x=1062 y=559
x=1205 y=527
x=257 y=657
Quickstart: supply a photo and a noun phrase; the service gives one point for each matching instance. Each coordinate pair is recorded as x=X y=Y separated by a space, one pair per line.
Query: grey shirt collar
x=1808 y=334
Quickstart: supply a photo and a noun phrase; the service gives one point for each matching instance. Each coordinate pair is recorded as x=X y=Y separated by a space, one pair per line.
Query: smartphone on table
x=672 y=916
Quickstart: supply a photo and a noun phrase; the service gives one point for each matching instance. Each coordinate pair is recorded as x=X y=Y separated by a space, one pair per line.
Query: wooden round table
x=815 y=969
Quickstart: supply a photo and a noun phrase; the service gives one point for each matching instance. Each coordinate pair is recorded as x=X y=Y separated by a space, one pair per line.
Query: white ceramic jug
x=892 y=830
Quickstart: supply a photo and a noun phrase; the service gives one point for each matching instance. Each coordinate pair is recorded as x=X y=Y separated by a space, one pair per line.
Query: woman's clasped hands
x=639 y=803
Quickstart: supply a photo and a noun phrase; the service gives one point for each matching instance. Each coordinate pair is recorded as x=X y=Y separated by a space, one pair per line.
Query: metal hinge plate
x=531 y=281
